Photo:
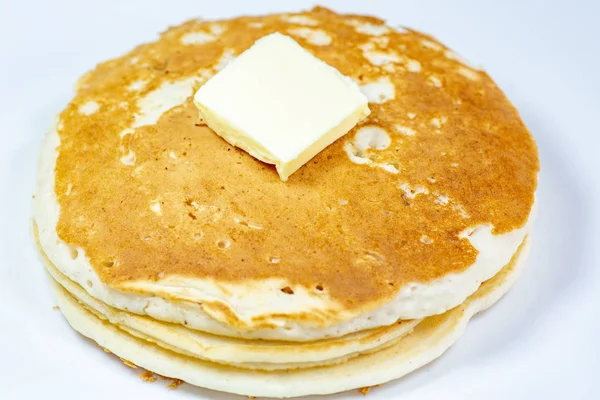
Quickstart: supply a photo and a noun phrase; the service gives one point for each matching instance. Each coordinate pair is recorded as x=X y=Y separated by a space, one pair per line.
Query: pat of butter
x=280 y=103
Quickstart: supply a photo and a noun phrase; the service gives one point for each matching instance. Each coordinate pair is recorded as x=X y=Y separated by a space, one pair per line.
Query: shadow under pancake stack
x=190 y=258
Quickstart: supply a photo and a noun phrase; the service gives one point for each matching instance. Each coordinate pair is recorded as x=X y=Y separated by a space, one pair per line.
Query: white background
x=542 y=341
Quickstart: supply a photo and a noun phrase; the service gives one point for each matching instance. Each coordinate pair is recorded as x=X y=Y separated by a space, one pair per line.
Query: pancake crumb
x=148 y=376
x=365 y=390
x=175 y=383
x=56 y=308
x=128 y=363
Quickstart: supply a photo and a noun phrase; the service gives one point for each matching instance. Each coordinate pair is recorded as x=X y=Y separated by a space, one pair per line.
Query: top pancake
x=150 y=200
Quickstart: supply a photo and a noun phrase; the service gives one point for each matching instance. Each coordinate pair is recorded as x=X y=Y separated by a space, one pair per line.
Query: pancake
x=428 y=341
x=252 y=354
x=188 y=257
x=144 y=207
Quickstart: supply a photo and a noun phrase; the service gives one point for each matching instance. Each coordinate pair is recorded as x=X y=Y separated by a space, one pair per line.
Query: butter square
x=280 y=103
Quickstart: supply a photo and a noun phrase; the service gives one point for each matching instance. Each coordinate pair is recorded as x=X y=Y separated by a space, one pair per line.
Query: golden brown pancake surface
x=345 y=228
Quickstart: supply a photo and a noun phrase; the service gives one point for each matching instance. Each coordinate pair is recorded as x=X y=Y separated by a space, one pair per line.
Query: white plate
x=539 y=342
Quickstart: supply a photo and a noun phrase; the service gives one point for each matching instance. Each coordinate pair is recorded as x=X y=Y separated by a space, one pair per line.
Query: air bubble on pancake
x=274 y=260
x=193 y=38
x=405 y=130
x=411 y=115
x=89 y=107
x=227 y=57
x=438 y=122
x=378 y=58
x=343 y=202
x=197 y=38
x=223 y=244
x=431 y=45
x=441 y=199
x=368 y=28
x=155 y=207
x=454 y=165
x=391 y=68
x=371 y=137
x=410 y=192
x=370 y=256
x=136 y=86
x=168 y=95
x=217 y=29
x=435 y=81
x=452 y=55
x=468 y=73
x=246 y=224
x=389 y=167
x=431 y=179
x=300 y=20
x=316 y=37
x=413 y=66
x=108 y=263
x=462 y=212
x=381 y=41
x=379 y=91
x=198 y=235
x=129 y=158
x=355 y=155
x=426 y=239
x=134 y=60
x=256 y=25
x=213 y=212
x=172 y=155
x=69 y=188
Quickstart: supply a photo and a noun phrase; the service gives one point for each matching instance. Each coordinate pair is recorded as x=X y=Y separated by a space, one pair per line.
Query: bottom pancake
x=429 y=339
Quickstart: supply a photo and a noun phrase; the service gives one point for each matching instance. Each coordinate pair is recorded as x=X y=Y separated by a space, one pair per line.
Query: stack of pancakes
x=188 y=257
